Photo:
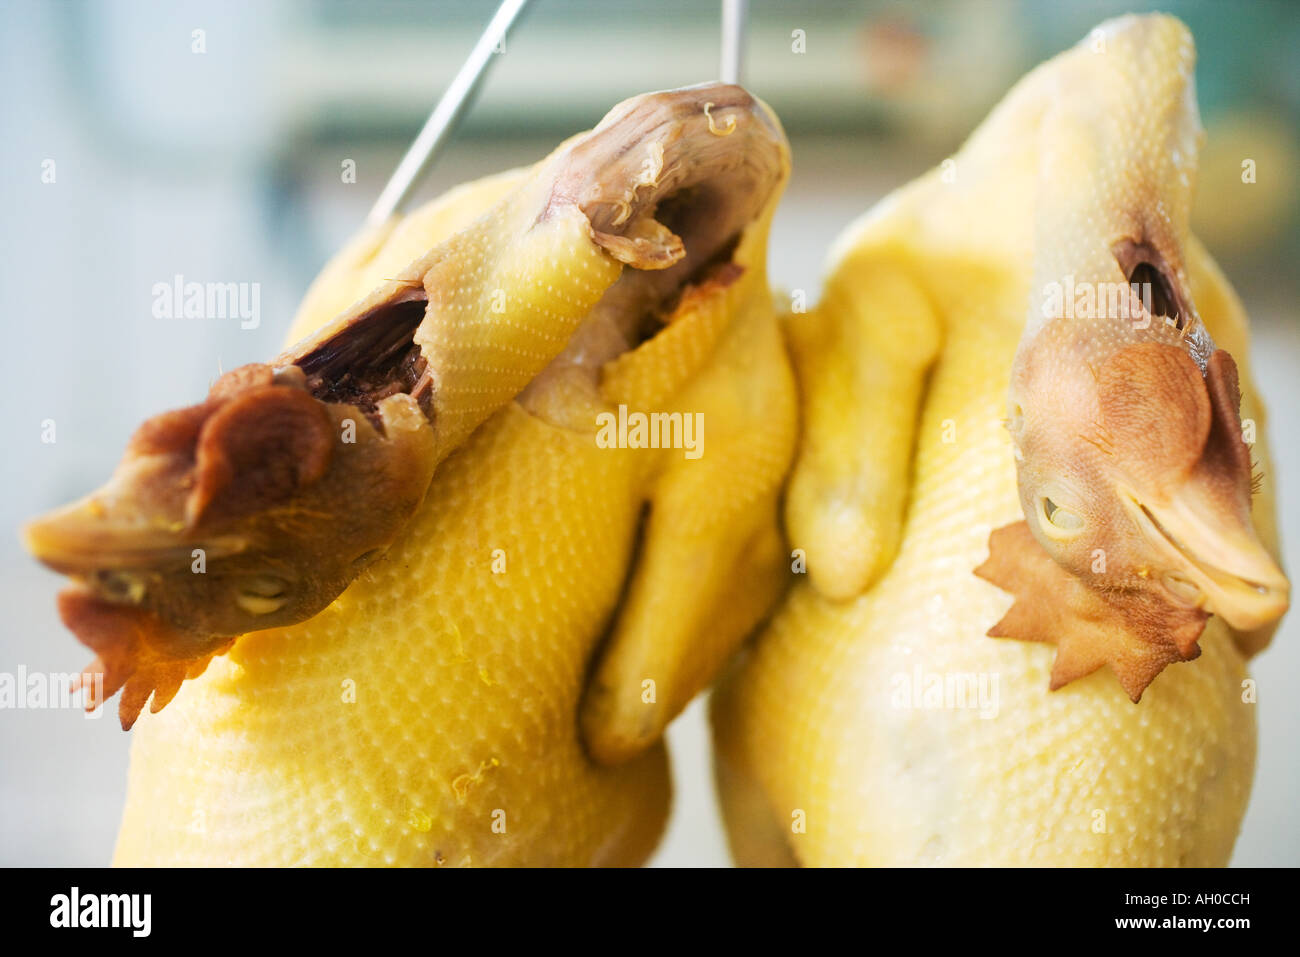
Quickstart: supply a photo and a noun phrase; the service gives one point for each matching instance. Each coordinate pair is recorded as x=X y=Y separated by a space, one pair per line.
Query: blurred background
x=145 y=140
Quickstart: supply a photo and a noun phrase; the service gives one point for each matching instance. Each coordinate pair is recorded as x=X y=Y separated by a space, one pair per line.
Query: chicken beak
x=112 y=532
x=1216 y=560
x=81 y=538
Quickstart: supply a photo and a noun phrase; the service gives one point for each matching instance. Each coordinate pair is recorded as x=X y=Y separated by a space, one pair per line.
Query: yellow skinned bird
x=957 y=415
x=491 y=689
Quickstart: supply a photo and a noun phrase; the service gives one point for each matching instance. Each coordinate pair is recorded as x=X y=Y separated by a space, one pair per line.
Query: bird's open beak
x=1217 y=561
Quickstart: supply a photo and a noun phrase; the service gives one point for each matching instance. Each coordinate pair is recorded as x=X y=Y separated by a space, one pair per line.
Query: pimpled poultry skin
x=255 y=508
x=828 y=751
x=478 y=694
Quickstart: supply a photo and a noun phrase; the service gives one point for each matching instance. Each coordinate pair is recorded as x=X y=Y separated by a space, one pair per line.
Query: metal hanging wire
x=442 y=122
x=735 y=21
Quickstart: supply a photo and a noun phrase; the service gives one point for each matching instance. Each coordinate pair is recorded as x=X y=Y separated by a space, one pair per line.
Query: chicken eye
x=1058 y=519
x=262 y=595
x=121 y=587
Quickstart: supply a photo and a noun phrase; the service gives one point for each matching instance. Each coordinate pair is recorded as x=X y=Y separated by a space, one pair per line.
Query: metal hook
x=442 y=121
x=735 y=19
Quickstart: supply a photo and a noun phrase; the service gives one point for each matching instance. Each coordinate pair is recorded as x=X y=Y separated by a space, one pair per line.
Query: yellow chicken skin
x=1090 y=463
x=241 y=514
x=566 y=585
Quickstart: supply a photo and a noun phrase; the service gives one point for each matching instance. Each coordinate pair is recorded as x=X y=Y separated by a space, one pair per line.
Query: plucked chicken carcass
x=471 y=622
x=991 y=467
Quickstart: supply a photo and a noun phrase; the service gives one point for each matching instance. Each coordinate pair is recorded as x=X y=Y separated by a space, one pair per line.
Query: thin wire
x=735 y=18
x=442 y=121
